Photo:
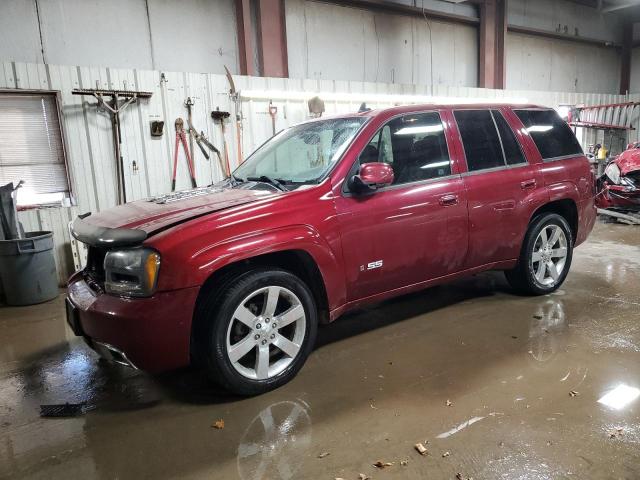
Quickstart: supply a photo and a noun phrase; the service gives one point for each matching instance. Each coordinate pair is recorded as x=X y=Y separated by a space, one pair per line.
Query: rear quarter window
x=552 y=135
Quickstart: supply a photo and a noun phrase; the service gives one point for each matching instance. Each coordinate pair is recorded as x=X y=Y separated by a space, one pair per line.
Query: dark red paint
x=426 y=232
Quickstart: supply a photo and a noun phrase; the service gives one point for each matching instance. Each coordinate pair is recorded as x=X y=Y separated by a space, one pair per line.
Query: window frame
x=515 y=136
x=452 y=162
x=505 y=166
x=57 y=96
x=550 y=159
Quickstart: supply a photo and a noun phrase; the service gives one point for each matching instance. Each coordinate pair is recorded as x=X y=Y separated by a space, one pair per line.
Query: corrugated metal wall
x=89 y=141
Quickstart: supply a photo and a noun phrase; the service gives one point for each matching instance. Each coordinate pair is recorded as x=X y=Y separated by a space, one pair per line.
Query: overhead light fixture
x=293 y=95
x=539 y=128
x=444 y=163
x=563 y=111
x=419 y=129
x=620 y=397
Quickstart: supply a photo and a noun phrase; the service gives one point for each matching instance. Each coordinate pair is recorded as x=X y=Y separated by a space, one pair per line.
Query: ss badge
x=373 y=265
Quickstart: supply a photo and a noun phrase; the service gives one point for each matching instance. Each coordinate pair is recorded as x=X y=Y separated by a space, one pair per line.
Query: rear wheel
x=545 y=257
x=261 y=330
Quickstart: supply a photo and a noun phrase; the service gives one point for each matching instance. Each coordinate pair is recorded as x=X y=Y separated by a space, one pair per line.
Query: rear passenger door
x=502 y=187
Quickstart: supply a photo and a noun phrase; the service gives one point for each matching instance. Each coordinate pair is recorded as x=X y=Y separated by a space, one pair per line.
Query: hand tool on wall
x=235 y=98
x=181 y=138
x=219 y=116
x=201 y=140
x=189 y=103
x=273 y=111
x=115 y=107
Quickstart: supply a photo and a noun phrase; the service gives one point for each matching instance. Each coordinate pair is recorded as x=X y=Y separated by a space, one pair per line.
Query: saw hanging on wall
x=234 y=95
x=115 y=107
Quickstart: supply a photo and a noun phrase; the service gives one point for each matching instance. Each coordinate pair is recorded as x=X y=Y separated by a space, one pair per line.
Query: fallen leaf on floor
x=449 y=403
x=324 y=454
x=445 y=454
x=460 y=477
x=573 y=393
x=218 y=424
x=422 y=450
x=362 y=476
x=514 y=336
x=615 y=433
x=501 y=444
x=380 y=464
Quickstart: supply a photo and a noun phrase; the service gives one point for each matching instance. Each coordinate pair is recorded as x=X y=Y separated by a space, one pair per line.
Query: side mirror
x=371 y=177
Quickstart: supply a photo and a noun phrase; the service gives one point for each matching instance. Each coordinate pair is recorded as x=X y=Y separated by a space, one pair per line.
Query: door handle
x=528 y=184
x=446 y=200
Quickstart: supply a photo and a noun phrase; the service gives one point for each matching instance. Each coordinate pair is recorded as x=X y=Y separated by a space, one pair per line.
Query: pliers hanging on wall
x=202 y=140
x=181 y=137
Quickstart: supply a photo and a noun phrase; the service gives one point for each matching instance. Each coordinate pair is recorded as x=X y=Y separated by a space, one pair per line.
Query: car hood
x=628 y=161
x=161 y=212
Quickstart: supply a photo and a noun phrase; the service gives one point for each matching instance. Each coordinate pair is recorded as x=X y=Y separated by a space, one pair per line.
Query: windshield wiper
x=272 y=181
x=235 y=180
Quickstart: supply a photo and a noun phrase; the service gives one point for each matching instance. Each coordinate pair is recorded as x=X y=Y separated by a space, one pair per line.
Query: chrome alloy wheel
x=266 y=332
x=549 y=255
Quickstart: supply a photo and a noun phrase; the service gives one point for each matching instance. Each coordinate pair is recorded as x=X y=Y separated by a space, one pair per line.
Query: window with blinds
x=31 y=148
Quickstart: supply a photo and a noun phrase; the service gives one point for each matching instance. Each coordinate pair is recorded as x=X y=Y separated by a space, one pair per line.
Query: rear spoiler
x=105 y=237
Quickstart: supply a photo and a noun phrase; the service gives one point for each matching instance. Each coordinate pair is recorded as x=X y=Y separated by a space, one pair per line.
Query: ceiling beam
x=619 y=6
x=537 y=32
x=385 y=6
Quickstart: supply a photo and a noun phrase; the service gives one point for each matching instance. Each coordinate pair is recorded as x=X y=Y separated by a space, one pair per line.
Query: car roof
x=416 y=107
x=431 y=106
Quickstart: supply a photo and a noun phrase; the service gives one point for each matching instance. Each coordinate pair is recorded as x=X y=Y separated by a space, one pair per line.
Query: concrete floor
x=378 y=382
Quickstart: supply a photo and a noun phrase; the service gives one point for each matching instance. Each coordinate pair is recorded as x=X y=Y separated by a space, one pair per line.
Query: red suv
x=324 y=217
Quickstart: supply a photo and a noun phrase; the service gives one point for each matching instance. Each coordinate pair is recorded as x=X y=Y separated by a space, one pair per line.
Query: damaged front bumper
x=618 y=191
x=152 y=334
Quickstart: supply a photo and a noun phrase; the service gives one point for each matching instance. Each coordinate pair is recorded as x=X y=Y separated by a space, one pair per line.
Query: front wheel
x=261 y=330
x=545 y=257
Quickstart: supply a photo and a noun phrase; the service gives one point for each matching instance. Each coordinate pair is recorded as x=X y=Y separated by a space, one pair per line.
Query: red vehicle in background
x=324 y=217
x=619 y=187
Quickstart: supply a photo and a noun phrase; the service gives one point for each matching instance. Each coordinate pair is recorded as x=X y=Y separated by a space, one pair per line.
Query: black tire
x=523 y=278
x=216 y=313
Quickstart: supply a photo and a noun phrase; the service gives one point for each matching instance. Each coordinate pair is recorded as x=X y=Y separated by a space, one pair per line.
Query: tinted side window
x=550 y=133
x=414 y=145
x=480 y=139
x=512 y=152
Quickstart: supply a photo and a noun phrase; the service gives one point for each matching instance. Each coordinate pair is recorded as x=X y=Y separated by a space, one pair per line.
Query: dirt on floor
x=491 y=384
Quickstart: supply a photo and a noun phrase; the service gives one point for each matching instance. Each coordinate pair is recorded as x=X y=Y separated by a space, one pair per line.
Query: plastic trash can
x=28 y=269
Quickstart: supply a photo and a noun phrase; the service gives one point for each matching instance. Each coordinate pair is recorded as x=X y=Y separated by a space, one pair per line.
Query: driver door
x=414 y=229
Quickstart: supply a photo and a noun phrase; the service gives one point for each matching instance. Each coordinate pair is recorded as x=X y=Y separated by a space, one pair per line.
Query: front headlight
x=613 y=172
x=131 y=272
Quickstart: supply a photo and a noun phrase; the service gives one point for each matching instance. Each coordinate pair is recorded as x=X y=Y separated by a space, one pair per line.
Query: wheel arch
x=296 y=261
x=566 y=208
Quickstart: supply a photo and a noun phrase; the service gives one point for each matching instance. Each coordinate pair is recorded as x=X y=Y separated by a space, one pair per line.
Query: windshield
x=301 y=154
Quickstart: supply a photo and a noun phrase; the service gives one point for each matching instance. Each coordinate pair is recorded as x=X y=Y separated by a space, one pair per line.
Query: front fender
x=205 y=261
